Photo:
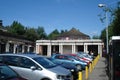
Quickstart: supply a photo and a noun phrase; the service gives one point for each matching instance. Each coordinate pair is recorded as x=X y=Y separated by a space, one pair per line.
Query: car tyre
x=46 y=79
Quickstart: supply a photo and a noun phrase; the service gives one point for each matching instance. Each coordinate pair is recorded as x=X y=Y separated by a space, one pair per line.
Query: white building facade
x=47 y=47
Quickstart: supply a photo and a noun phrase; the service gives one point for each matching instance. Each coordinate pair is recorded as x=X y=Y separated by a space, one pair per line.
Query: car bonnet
x=60 y=70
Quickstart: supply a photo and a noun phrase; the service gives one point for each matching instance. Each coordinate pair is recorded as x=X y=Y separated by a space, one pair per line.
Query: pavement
x=99 y=71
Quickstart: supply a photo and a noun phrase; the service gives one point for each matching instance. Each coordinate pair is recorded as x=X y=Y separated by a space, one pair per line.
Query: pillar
x=49 y=50
x=28 y=48
x=14 y=50
x=37 y=48
x=73 y=48
x=85 y=48
x=7 y=47
x=100 y=50
x=61 y=48
x=23 y=48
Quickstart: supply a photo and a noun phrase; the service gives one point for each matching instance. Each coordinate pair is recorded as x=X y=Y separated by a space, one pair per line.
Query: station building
x=69 y=42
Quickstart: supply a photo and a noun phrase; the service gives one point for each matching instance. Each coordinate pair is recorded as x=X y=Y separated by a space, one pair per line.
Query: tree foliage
x=116 y=22
x=96 y=37
x=31 y=34
x=16 y=28
x=114 y=26
x=41 y=33
x=53 y=34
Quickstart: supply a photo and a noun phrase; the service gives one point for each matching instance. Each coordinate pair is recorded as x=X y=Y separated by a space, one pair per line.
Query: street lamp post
x=106 y=10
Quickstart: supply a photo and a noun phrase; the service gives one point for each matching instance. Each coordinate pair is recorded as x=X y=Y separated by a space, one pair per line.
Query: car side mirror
x=33 y=68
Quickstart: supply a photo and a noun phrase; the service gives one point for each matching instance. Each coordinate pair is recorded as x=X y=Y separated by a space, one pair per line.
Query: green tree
x=31 y=34
x=96 y=37
x=53 y=34
x=16 y=28
x=41 y=33
x=116 y=22
x=62 y=31
x=114 y=26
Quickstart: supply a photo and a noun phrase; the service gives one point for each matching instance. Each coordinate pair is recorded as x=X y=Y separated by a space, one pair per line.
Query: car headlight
x=63 y=77
x=72 y=70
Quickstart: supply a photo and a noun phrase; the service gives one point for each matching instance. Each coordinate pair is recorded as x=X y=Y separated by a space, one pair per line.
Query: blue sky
x=55 y=14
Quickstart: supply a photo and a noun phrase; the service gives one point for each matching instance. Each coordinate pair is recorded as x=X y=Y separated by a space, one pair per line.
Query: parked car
x=7 y=73
x=35 y=67
x=80 y=59
x=67 y=59
x=87 y=55
x=70 y=67
x=81 y=55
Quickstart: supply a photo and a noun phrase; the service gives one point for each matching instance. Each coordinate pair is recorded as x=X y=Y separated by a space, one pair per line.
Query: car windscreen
x=44 y=62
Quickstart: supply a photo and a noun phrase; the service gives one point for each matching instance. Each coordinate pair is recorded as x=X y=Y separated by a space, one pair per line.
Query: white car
x=35 y=67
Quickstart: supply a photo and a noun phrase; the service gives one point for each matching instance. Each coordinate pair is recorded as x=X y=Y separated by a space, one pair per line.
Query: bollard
x=80 y=74
x=92 y=64
x=90 y=68
x=95 y=61
x=86 y=73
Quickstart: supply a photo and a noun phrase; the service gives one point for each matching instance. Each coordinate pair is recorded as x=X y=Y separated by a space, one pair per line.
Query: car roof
x=24 y=55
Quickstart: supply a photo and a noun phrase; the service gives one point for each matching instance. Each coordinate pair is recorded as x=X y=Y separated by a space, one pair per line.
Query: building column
x=61 y=48
x=73 y=48
x=7 y=47
x=23 y=48
x=100 y=50
x=28 y=48
x=37 y=49
x=85 y=48
x=40 y=49
x=49 y=50
x=14 y=50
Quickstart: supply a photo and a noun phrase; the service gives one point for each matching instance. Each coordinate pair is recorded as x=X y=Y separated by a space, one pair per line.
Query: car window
x=44 y=62
x=1 y=60
x=26 y=63
x=59 y=57
x=11 y=60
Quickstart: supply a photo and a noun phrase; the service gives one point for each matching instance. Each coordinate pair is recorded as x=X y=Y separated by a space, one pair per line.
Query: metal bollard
x=80 y=74
x=90 y=68
x=92 y=65
x=86 y=73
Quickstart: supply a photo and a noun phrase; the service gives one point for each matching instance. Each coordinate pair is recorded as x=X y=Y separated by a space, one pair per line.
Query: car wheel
x=46 y=79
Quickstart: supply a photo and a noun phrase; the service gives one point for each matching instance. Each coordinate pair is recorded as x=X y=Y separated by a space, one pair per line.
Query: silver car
x=35 y=67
